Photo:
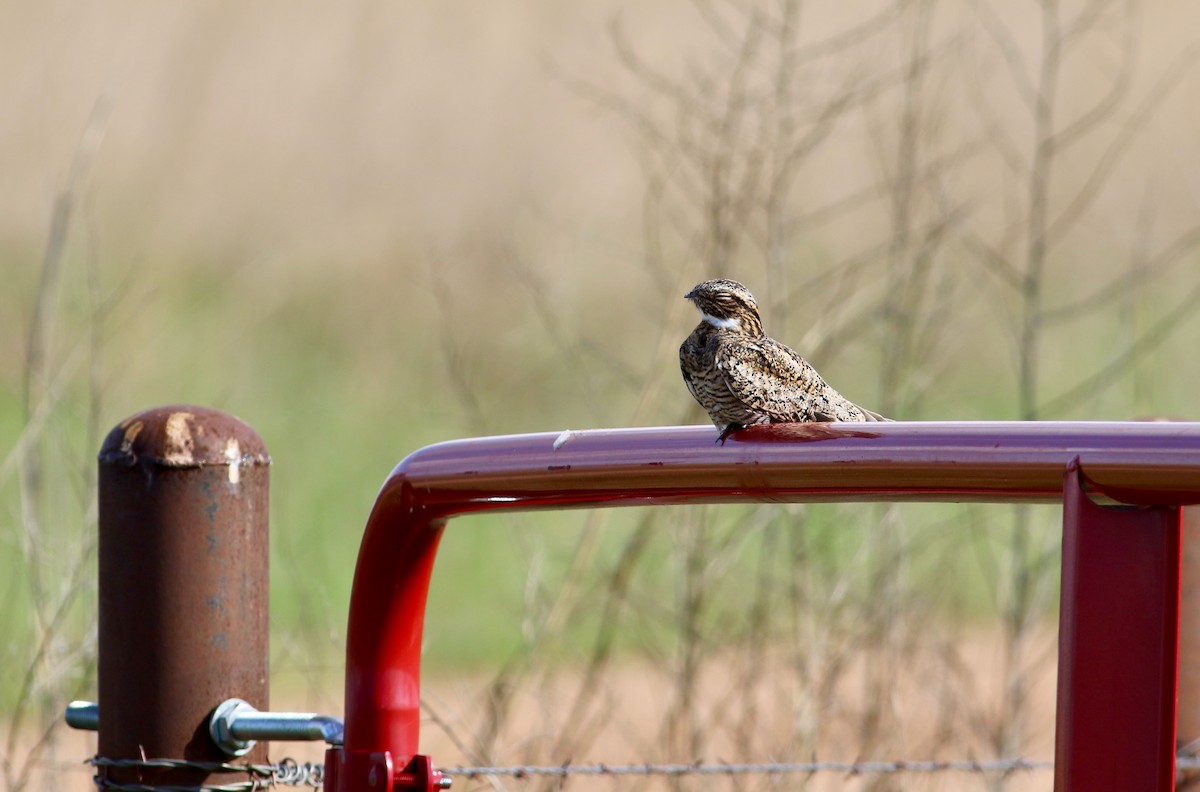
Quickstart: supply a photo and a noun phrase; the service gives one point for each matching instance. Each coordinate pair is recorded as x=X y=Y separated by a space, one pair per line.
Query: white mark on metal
x=179 y=446
x=233 y=454
x=131 y=433
x=563 y=439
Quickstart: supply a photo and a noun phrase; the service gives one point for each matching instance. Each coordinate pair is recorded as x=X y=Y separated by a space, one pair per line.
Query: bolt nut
x=220 y=727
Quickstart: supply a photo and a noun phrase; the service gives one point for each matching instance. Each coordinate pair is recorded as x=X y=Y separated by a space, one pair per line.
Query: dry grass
x=367 y=227
x=636 y=696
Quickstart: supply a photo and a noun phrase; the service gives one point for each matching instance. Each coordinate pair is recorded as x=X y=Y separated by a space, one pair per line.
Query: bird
x=741 y=376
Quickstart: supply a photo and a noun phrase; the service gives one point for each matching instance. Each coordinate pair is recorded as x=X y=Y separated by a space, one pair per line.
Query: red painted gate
x=1119 y=621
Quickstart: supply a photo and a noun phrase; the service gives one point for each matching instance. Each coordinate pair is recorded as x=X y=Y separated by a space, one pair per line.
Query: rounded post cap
x=183 y=436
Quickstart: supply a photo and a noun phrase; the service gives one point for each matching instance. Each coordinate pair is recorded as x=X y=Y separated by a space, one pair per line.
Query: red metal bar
x=1118 y=645
x=1141 y=463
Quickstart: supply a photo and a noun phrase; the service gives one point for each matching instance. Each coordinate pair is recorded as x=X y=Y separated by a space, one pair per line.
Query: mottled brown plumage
x=743 y=377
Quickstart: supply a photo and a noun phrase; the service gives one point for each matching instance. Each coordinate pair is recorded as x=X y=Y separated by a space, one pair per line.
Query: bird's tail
x=872 y=417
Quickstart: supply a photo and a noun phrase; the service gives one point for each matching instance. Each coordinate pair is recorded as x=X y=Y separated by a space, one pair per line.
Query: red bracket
x=375 y=771
x=420 y=774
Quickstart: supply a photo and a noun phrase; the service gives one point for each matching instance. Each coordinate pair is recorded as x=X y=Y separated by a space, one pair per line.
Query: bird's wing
x=685 y=367
x=770 y=378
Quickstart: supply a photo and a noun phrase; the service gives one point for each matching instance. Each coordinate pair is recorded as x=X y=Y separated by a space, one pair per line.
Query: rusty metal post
x=183 y=587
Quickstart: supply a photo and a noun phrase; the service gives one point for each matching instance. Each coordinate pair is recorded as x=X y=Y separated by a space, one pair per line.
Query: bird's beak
x=688 y=296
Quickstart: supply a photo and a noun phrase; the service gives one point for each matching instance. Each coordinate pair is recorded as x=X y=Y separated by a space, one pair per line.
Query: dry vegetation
x=366 y=227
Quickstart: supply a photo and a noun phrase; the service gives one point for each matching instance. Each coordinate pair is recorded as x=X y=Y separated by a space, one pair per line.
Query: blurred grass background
x=366 y=227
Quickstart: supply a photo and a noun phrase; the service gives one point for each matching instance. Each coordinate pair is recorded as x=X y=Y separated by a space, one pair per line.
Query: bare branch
x=1108 y=160
x=612 y=102
x=1107 y=105
x=994 y=262
x=1113 y=372
x=860 y=33
x=1088 y=17
x=1006 y=42
x=647 y=76
x=994 y=125
x=34 y=671
x=457 y=369
x=717 y=23
x=615 y=597
x=1172 y=254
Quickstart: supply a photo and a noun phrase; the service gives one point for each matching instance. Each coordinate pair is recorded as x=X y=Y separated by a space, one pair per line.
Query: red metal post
x=183 y=587
x=383 y=646
x=1118 y=645
x=1188 y=719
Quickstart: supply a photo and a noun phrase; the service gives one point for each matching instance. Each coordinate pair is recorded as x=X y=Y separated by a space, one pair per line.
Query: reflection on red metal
x=1151 y=464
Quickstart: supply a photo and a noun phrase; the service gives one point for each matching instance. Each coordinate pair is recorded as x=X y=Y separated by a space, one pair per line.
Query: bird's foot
x=728 y=430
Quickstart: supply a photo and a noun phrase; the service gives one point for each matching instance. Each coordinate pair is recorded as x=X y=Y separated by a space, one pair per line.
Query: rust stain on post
x=183 y=586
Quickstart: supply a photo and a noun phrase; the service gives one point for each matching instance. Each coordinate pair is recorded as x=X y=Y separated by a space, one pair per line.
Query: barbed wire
x=289 y=772
x=877 y=767
x=1001 y=766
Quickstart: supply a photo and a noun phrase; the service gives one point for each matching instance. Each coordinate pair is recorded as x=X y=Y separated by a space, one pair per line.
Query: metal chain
x=292 y=773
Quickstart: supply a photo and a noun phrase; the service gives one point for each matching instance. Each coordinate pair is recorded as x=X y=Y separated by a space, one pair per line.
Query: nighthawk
x=742 y=377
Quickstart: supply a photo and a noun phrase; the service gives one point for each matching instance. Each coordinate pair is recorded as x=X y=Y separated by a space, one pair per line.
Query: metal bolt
x=83 y=715
x=235 y=725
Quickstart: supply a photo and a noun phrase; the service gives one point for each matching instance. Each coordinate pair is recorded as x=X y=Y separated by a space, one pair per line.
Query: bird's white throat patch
x=723 y=324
